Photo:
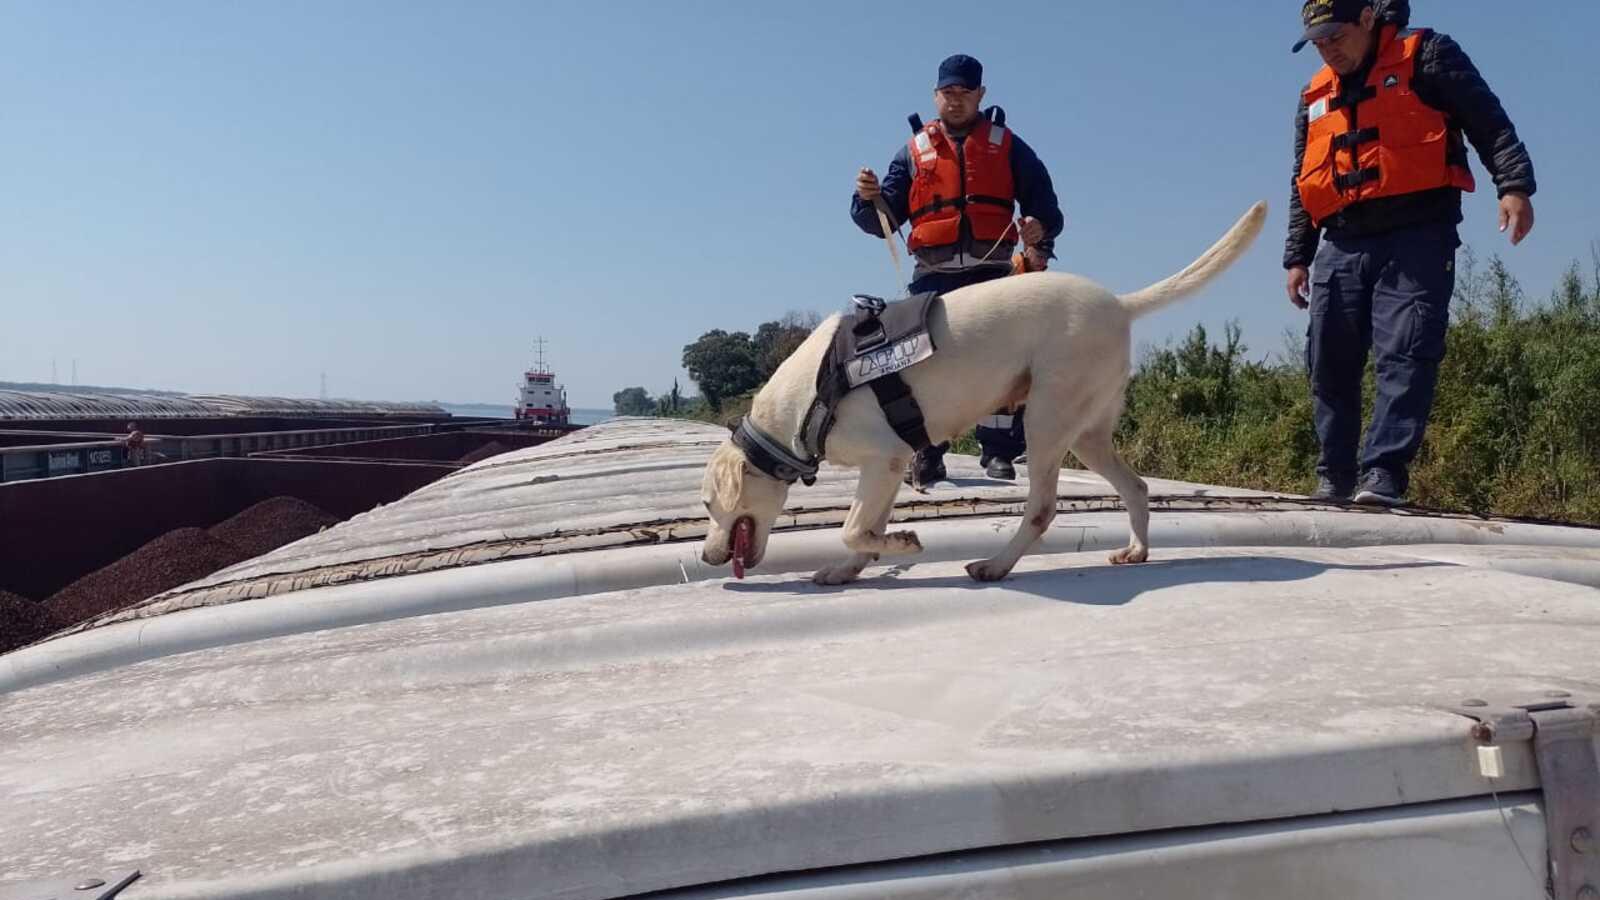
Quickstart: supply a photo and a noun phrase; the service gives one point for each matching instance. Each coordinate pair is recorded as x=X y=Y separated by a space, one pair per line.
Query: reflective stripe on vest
x=942 y=194
x=1388 y=143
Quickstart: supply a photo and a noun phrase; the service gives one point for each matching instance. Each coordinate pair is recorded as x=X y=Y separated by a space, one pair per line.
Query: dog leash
x=1016 y=225
x=894 y=255
x=888 y=236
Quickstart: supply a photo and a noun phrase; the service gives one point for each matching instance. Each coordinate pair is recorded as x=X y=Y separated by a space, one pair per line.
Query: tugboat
x=541 y=399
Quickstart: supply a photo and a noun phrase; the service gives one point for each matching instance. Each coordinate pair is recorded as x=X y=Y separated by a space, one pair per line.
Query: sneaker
x=983 y=461
x=1333 y=491
x=1001 y=470
x=1378 y=488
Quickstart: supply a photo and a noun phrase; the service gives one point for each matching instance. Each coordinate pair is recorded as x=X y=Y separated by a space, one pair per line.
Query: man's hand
x=1032 y=231
x=867 y=187
x=1516 y=214
x=1038 y=260
x=1300 y=286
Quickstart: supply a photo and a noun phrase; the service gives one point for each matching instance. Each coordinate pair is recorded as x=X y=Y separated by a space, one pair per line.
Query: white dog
x=1057 y=342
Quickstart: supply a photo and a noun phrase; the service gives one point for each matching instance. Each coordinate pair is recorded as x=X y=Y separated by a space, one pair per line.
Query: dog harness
x=870 y=348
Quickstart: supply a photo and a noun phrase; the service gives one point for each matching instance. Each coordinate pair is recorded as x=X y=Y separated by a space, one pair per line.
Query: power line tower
x=324 y=385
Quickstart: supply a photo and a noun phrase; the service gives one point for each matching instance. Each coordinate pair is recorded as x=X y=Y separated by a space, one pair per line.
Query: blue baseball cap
x=1323 y=18
x=962 y=70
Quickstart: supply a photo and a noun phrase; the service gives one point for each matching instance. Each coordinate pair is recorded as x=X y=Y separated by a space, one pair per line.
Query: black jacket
x=1447 y=81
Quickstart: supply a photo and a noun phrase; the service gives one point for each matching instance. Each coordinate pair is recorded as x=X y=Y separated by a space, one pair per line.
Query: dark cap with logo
x=960 y=70
x=1322 y=18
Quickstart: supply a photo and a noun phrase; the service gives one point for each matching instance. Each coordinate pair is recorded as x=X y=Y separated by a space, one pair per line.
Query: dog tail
x=1200 y=272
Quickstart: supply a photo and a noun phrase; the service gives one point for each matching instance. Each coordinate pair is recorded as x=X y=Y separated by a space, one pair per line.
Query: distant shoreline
x=580 y=416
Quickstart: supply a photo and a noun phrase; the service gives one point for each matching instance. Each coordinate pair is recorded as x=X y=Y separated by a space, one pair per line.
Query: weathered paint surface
x=604 y=745
x=625 y=483
x=530 y=729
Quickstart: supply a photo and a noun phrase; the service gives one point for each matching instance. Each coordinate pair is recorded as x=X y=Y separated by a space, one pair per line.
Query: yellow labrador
x=1058 y=342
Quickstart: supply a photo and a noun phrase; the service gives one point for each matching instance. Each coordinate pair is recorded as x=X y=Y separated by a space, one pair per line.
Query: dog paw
x=903 y=542
x=1129 y=556
x=833 y=576
x=987 y=570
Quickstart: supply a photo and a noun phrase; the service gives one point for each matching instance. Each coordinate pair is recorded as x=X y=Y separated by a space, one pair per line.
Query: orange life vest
x=1390 y=143
x=947 y=185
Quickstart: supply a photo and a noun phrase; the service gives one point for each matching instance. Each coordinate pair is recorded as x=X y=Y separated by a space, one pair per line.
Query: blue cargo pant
x=1389 y=294
x=1007 y=443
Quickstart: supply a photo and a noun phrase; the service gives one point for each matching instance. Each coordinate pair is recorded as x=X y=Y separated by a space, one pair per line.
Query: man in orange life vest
x=956 y=181
x=1380 y=166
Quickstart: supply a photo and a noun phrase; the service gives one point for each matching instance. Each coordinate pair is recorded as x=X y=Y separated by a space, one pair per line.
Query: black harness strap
x=1340 y=101
x=958 y=203
x=902 y=410
x=1355 y=138
x=935 y=206
x=1352 y=180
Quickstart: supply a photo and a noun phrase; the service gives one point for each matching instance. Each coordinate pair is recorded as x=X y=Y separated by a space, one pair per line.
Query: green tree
x=775 y=342
x=724 y=365
x=633 y=401
x=671 y=402
x=1505 y=293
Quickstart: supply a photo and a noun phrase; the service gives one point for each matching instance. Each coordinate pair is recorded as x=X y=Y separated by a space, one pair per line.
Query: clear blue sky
x=240 y=196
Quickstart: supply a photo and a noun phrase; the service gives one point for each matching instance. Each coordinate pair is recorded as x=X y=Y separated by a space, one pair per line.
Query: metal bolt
x=1558 y=695
x=1474 y=704
x=1583 y=841
x=89 y=884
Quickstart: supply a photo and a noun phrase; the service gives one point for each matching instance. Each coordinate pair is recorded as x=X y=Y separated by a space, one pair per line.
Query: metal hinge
x=1562 y=728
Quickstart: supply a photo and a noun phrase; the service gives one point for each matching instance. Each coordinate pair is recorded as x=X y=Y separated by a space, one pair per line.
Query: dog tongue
x=741 y=545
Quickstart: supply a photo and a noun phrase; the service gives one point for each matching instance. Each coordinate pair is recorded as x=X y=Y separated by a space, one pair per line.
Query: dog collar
x=770 y=457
